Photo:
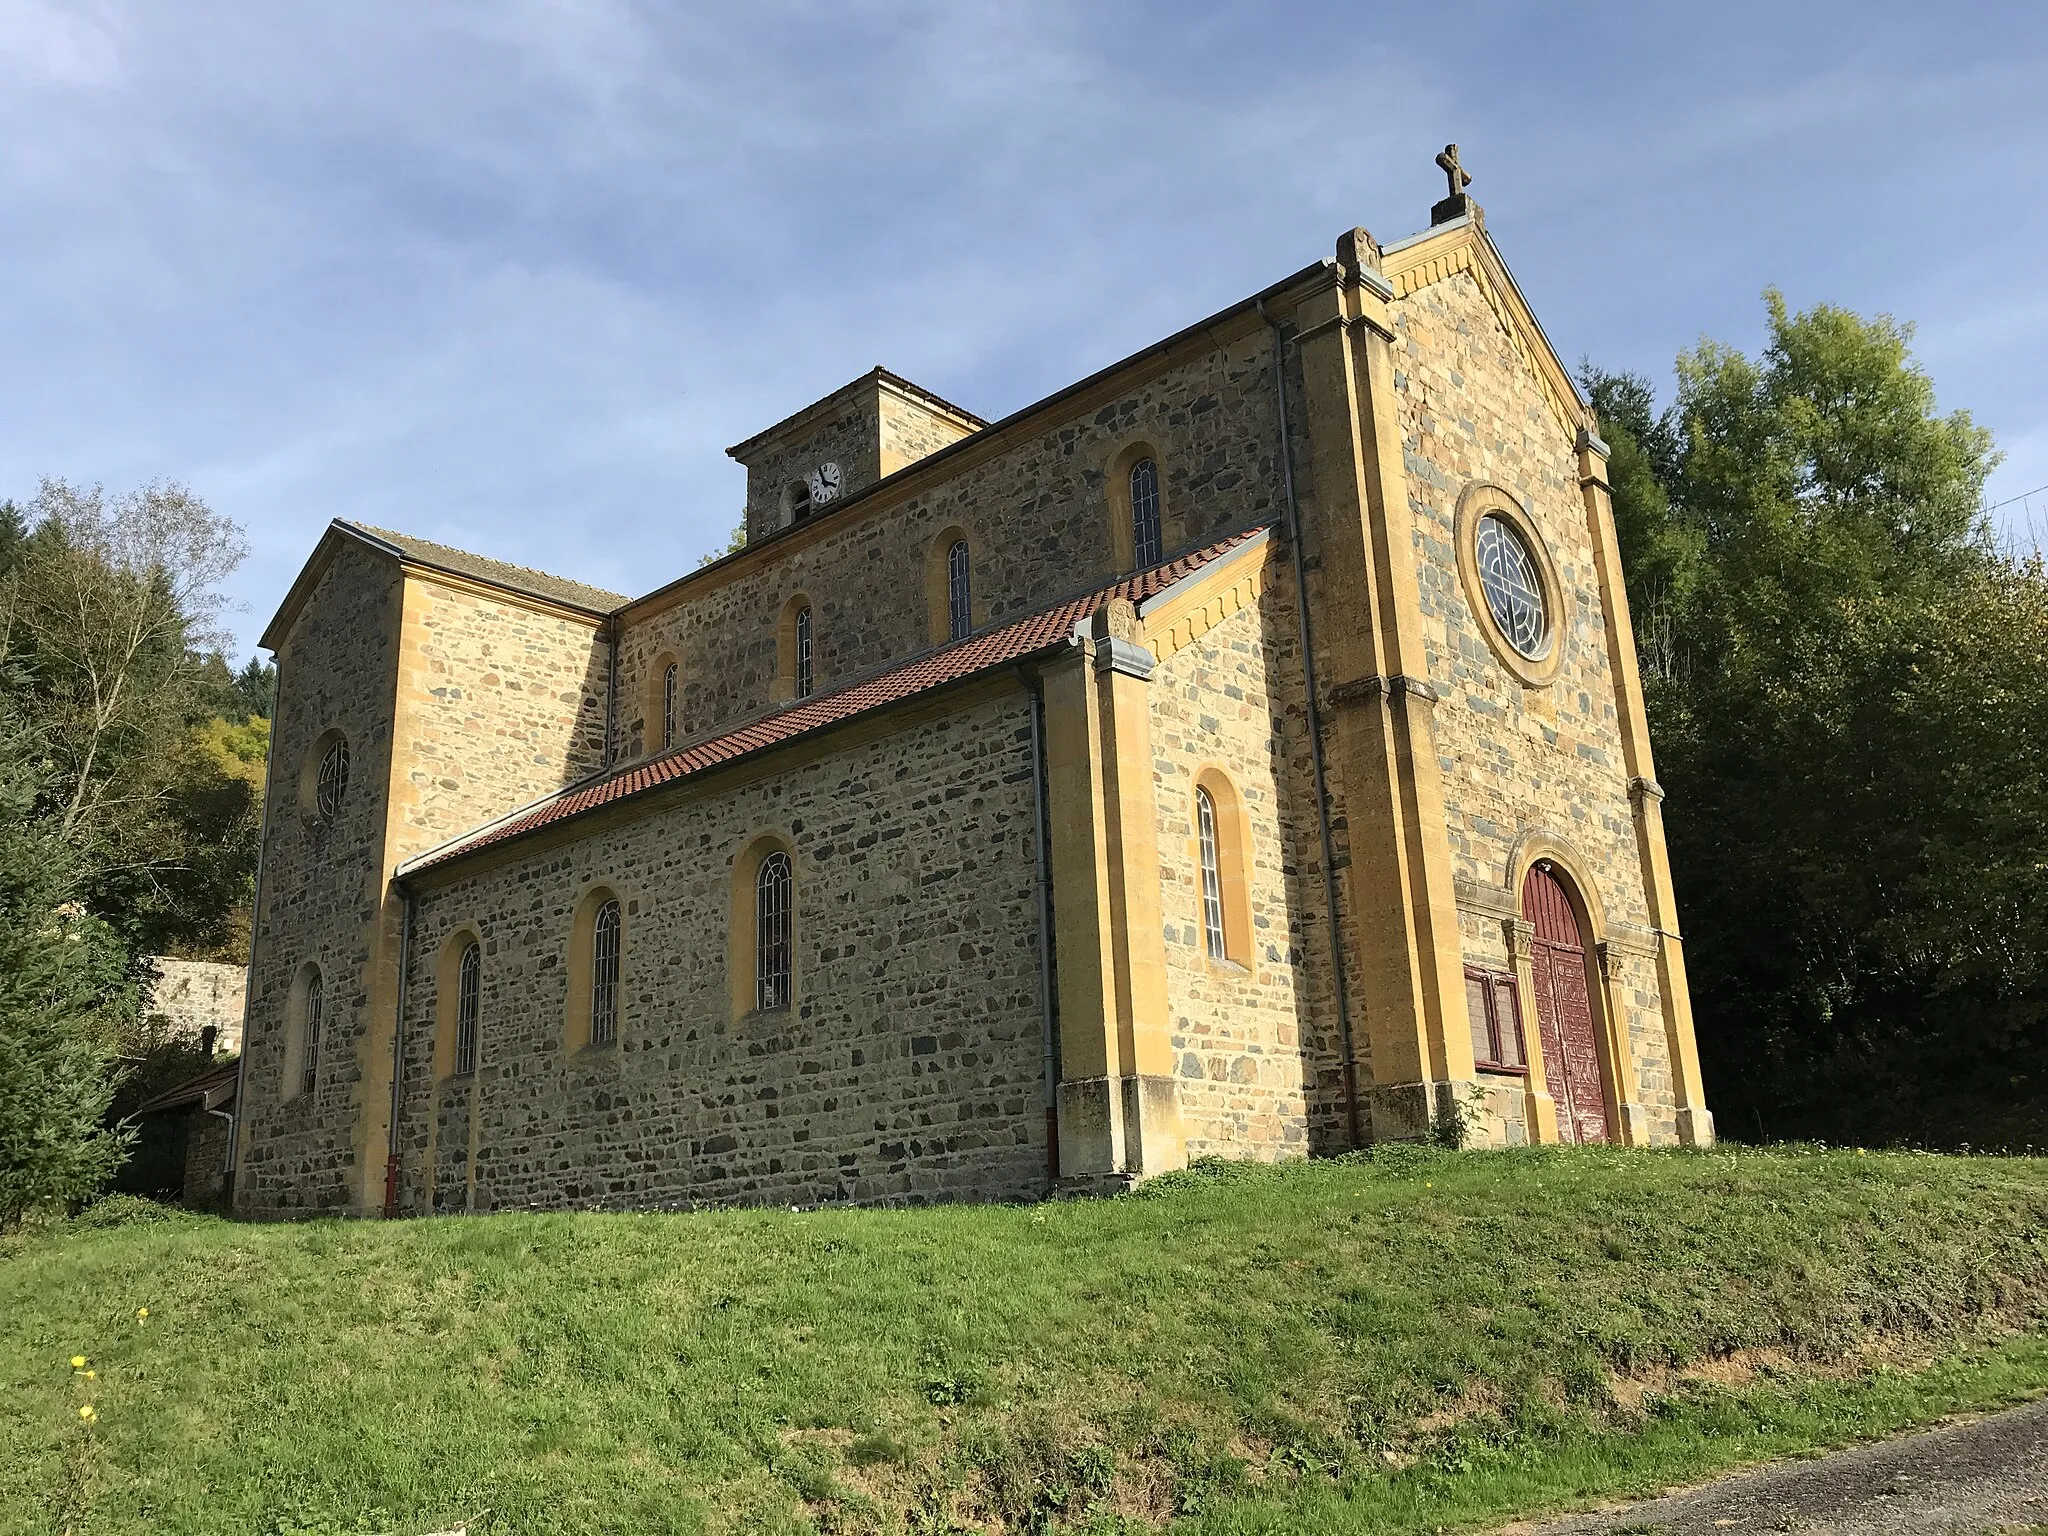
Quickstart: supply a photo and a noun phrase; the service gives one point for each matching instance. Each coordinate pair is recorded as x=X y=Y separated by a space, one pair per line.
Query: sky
x=512 y=274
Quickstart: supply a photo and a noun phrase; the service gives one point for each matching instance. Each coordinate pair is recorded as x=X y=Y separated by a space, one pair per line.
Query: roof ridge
x=923 y=672
x=541 y=580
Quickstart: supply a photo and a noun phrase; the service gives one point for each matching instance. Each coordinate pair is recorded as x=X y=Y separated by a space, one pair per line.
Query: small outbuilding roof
x=955 y=662
x=211 y=1089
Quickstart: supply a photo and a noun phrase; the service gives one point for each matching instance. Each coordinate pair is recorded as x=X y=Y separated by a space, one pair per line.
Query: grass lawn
x=1396 y=1342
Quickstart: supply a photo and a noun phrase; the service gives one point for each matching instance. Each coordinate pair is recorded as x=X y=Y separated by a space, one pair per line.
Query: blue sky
x=512 y=274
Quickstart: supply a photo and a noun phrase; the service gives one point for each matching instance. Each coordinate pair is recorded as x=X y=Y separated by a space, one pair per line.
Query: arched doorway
x=1564 y=1009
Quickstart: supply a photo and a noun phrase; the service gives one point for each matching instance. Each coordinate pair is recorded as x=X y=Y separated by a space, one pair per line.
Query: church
x=1239 y=752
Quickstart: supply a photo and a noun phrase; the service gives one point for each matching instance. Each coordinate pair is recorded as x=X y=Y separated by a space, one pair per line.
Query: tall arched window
x=803 y=652
x=1212 y=876
x=1146 y=543
x=312 y=1010
x=959 y=592
x=668 y=705
x=468 y=1001
x=773 y=932
x=604 y=975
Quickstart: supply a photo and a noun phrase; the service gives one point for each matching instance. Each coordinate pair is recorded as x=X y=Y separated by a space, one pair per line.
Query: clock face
x=824 y=484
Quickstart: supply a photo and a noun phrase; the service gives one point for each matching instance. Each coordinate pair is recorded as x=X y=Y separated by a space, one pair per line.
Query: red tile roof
x=935 y=669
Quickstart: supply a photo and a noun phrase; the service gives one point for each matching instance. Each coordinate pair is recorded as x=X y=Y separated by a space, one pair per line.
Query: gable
x=1463 y=246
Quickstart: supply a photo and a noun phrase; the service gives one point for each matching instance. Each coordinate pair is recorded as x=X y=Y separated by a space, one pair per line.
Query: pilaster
x=1385 y=777
x=1695 y=1122
x=1117 y=1099
x=1540 y=1108
x=1625 y=1111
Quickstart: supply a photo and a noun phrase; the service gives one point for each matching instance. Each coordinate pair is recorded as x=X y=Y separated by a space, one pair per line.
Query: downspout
x=255 y=927
x=1048 y=999
x=611 y=690
x=398 y=1047
x=1315 y=729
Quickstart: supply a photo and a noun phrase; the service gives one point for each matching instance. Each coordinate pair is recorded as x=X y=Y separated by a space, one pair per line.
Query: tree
x=109 y=604
x=1845 y=681
x=66 y=989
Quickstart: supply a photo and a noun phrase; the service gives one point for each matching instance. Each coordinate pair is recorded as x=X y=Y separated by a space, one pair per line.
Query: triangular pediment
x=1462 y=245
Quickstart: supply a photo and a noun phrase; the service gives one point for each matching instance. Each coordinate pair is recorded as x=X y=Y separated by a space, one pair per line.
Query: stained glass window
x=469 y=987
x=1514 y=591
x=604 y=975
x=959 y=592
x=1146 y=548
x=315 y=1002
x=803 y=653
x=1212 y=875
x=773 y=933
x=332 y=783
x=668 y=706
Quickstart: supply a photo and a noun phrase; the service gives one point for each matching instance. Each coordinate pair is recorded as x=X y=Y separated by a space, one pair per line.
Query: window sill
x=1226 y=967
x=1497 y=1070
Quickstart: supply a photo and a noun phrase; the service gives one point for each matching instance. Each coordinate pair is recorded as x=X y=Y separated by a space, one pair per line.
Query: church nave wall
x=909 y=1067
x=1037 y=514
x=1253 y=1032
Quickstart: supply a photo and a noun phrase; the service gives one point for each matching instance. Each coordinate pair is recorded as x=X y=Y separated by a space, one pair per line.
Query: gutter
x=1315 y=731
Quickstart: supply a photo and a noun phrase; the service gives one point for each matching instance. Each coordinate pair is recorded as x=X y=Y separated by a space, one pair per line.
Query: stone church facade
x=1239 y=752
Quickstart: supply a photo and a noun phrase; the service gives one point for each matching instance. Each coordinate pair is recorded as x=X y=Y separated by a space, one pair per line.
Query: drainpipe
x=1315 y=728
x=398 y=1048
x=1049 y=1002
x=611 y=690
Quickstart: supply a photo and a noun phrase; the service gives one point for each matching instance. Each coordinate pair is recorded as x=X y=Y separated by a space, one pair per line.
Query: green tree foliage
x=153 y=746
x=1846 y=682
x=65 y=993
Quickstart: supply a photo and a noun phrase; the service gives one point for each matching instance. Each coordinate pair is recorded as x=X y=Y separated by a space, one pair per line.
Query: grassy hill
x=1393 y=1342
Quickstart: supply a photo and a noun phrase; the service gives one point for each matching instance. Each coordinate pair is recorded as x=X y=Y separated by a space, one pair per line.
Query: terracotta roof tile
x=948 y=664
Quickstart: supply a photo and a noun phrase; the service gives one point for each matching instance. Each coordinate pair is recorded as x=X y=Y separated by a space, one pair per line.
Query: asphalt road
x=1962 y=1479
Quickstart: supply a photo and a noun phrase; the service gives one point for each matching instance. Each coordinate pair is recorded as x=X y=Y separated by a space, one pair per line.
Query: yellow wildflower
x=92 y=1375
x=78 y=1362
x=87 y=1414
x=142 y=1314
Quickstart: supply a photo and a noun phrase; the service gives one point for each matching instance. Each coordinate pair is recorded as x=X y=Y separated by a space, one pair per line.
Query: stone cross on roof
x=1456 y=203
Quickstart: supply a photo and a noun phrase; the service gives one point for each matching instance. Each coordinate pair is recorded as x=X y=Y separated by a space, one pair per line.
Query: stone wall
x=844 y=431
x=910 y=1066
x=913 y=429
x=197 y=995
x=1037 y=512
x=499 y=703
x=322 y=887
x=1518 y=760
x=1250 y=1051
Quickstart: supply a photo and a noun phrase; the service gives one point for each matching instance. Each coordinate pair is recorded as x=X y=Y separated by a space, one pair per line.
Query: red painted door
x=1564 y=1011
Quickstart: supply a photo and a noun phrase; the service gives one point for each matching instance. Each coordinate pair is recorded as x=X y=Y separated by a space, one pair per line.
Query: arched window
x=331 y=784
x=604 y=975
x=311 y=1009
x=668 y=705
x=803 y=652
x=1212 y=875
x=773 y=932
x=1222 y=855
x=959 y=592
x=1146 y=541
x=468 y=1000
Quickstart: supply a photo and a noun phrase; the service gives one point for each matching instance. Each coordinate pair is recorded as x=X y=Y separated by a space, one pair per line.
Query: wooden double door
x=1564 y=1008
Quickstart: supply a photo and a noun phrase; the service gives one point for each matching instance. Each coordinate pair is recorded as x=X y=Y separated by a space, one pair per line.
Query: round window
x=332 y=783
x=1514 y=590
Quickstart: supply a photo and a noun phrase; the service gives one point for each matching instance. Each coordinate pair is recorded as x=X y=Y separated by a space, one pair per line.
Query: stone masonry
x=1006 y=974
